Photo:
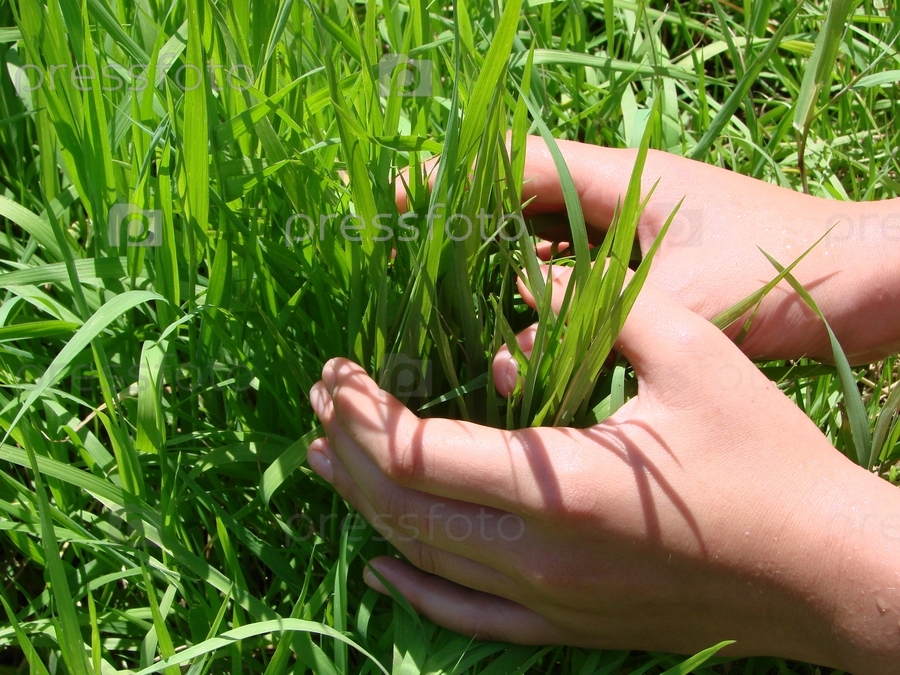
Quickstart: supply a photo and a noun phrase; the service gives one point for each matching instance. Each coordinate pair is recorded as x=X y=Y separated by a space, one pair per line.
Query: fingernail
x=512 y=375
x=319 y=463
x=317 y=399
x=373 y=582
x=329 y=376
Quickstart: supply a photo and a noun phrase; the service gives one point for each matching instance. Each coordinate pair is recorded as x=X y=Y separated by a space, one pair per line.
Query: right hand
x=708 y=507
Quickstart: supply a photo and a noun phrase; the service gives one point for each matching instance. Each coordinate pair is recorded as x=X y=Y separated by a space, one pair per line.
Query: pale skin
x=709 y=507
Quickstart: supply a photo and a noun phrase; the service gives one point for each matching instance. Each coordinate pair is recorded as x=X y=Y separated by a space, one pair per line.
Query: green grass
x=153 y=493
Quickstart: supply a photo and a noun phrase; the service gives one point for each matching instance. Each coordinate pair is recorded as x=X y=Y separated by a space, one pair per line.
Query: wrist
x=856 y=587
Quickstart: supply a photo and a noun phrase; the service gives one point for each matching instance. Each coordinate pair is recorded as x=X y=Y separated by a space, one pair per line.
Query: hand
x=707 y=508
x=711 y=259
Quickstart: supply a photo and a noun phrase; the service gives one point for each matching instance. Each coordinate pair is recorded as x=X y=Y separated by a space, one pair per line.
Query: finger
x=405 y=535
x=551 y=248
x=402 y=184
x=505 y=366
x=464 y=610
x=601 y=176
x=471 y=530
x=661 y=339
x=510 y=471
x=671 y=349
x=561 y=276
x=324 y=462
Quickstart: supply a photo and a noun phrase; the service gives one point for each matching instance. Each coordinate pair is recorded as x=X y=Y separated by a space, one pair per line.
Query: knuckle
x=403 y=463
x=549 y=575
x=387 y=499
x=422 y=556
x=537 y=573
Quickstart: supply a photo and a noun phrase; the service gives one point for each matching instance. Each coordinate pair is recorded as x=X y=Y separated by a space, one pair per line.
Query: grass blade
x=856 y=409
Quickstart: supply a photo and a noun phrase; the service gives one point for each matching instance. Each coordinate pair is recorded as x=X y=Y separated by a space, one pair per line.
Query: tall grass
x=154 y=502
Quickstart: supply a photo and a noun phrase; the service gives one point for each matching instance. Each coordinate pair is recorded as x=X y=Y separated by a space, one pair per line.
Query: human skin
x=711 y=258
x=707 y=508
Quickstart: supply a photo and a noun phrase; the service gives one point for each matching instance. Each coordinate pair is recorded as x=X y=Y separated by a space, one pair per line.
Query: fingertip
x=548 y=249
x=318 y=457
x=338 y=372
x=319 y=445
x=525 y=293
x=506 y=372
x=561 y=277
x=319 y=398
x=462 y=609
x=329 y=375
x=372 y=581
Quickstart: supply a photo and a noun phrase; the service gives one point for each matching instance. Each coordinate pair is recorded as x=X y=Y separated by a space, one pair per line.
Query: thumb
x=670 y=348
x=661 y=338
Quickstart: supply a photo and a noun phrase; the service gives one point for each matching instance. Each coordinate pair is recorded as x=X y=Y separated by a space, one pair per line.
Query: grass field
x=178 y=184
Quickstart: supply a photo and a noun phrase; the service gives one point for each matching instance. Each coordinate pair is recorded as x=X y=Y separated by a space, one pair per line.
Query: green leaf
x=697 y=660
x=37 y=329
x=733 y=102
x=253 y=630
x=285 y=465
x=821 y=64
x=888 y=77
x=856 y=409
x=883 y=425
x=91 y=329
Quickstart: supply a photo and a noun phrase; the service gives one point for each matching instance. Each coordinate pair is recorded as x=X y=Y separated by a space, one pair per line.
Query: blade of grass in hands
x=602 y=344
x=489 y=77
x=736 y=311
x=478 y=383
x=570 y=195
x=691 y=664
x=597 y=315
x=883 y=425
x=856 y=409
